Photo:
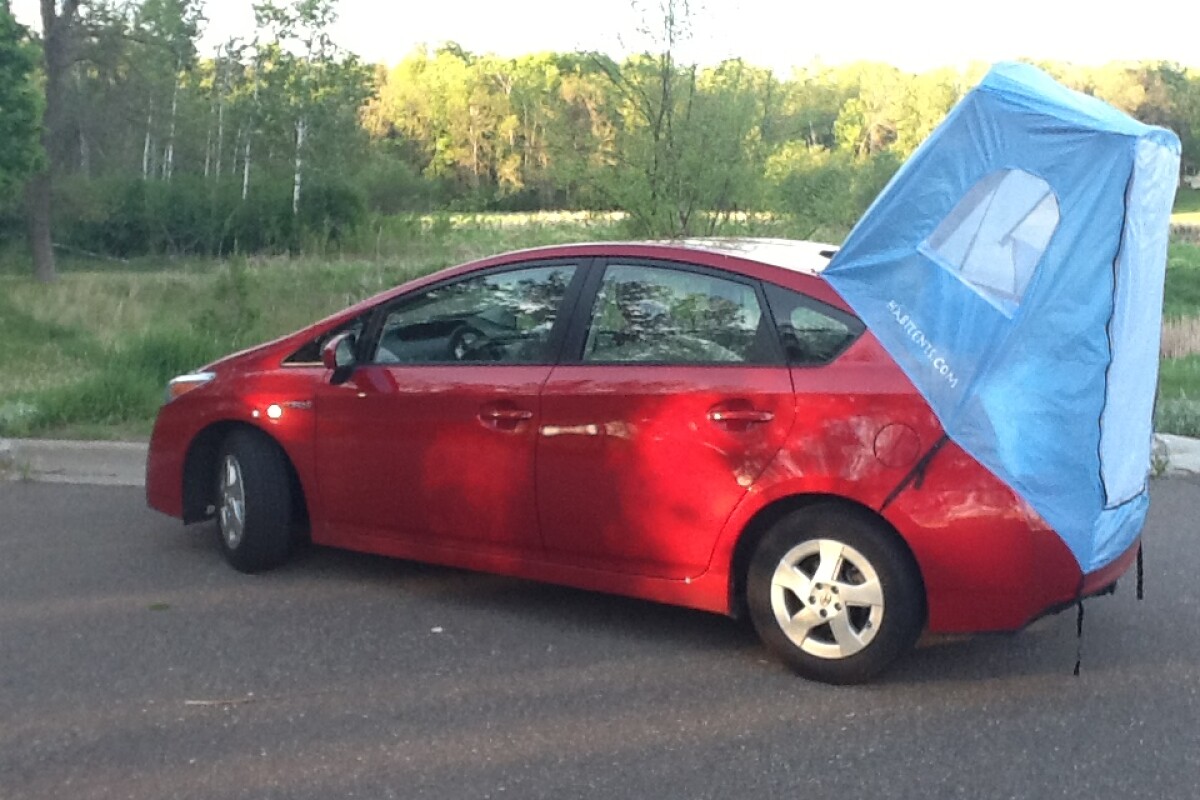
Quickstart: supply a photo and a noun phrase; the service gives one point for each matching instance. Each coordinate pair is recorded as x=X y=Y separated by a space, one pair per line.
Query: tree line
x=123 y=139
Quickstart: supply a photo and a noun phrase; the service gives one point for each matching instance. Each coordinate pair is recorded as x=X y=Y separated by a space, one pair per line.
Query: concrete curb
x=124 y=463
x=1183 y=454
x=55 y=461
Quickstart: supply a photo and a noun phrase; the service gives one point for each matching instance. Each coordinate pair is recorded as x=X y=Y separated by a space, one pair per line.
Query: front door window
x=502 y=318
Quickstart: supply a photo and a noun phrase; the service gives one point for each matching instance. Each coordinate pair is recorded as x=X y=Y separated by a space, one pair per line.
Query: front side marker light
x=182 y=384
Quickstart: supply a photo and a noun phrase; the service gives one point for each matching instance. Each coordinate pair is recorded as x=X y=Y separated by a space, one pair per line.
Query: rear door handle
x=745 y=416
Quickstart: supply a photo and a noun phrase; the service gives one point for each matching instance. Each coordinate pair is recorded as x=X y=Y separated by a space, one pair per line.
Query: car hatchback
x=703 y=423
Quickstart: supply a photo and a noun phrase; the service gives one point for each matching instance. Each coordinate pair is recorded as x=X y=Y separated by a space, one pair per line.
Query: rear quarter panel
x=987 y=560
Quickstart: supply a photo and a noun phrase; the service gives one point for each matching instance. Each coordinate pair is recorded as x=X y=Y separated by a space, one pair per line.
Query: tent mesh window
x=996 y=234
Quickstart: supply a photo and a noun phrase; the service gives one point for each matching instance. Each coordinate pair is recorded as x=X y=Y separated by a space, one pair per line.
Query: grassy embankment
x=88 y=356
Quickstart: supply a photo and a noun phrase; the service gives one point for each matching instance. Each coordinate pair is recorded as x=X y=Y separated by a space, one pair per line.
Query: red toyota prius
x=702 y=423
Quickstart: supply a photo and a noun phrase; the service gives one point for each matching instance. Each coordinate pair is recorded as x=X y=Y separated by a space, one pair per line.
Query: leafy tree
x=809 y=107
x=283 y=140
x=20 y=105
x=688 y=140
x=926 y=101
x=868 y=122
x=581 y=142
x=722 y=153
x=655 y=101
x=1186 y=98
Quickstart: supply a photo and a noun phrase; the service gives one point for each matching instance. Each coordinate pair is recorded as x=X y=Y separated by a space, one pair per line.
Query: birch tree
x=169 y=30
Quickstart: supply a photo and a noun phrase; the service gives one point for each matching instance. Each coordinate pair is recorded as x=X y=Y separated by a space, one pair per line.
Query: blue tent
x=1014 y=269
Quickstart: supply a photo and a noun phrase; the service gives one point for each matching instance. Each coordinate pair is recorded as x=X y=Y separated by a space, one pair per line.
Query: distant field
x=88 y=356
x=1187 y=207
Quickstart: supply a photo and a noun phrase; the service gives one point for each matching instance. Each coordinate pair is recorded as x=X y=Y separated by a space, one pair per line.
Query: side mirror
x=338 y=352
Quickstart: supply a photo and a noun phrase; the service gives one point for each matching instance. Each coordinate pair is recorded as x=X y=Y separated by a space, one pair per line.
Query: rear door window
x=660 y=315
x=810 y=331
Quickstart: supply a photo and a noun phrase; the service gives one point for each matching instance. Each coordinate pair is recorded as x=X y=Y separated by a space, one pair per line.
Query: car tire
x=253 y=502
x=835 y=594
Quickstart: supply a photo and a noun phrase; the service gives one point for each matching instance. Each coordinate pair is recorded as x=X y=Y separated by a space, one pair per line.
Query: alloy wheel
x=827 y=598
x=232 y=508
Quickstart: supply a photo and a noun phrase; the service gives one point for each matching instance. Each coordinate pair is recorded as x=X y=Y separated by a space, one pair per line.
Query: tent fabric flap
x=1014 y=269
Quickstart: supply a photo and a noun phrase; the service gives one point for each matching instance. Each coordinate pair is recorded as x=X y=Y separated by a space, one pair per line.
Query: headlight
x=182 y=384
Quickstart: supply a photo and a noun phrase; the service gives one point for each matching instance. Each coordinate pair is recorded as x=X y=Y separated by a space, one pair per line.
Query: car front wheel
x=835 y=594
x=254 y=502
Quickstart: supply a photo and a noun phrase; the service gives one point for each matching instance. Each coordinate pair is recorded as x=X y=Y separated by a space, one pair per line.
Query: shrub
x=391 y=186
x=330 y=212
x=126 y=217
x=128 y=387
x=1178 y=415
x=826 y=189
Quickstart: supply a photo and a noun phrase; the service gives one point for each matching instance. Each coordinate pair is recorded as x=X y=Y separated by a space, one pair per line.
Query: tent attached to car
x=1014 y=268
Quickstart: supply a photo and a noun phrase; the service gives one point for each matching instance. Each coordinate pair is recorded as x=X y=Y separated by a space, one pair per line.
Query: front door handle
x=590 y=429
x=505 y=414
x=505 y=417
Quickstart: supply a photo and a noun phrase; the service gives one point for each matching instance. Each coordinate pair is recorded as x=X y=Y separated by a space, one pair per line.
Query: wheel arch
x=762 y=521
x=200 y=465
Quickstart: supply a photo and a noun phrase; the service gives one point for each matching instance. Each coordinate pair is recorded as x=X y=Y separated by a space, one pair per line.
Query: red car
x=703 y=423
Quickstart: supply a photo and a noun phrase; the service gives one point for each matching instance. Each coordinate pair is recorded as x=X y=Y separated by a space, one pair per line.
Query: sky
x=912 y=34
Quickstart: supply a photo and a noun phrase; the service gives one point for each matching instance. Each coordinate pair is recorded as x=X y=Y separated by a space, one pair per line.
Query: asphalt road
x=134 y=663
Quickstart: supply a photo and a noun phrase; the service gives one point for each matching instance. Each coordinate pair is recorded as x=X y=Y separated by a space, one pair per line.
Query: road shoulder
x=124 y=463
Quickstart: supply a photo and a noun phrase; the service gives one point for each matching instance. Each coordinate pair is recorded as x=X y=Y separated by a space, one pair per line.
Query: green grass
x=95 y=349
x=1179 y=396
x=1180 y=377
x=88 y=356
x=1182 y=294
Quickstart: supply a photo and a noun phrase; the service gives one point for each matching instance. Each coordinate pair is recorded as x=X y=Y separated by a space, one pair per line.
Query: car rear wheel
x=254 y=502
x=835 y=594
